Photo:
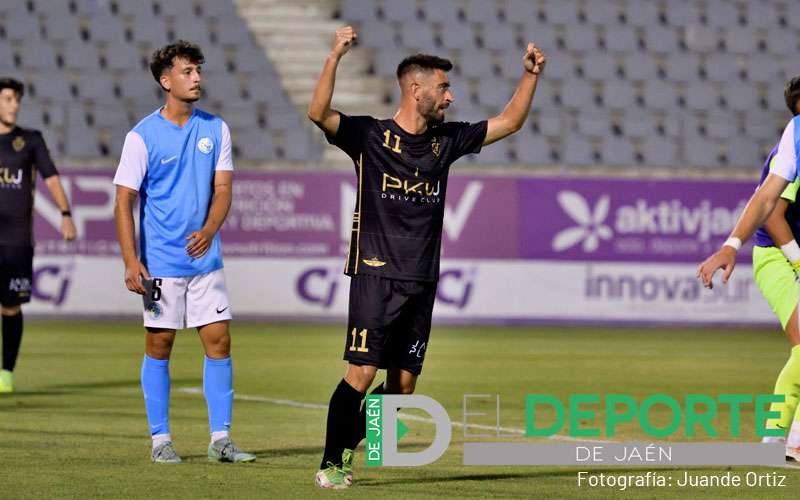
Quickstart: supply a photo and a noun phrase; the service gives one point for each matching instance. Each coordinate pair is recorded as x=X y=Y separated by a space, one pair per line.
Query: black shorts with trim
x=16 y=274
x=389 y=322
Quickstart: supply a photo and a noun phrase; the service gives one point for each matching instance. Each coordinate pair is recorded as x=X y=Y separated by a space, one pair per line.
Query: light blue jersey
x=173 y=169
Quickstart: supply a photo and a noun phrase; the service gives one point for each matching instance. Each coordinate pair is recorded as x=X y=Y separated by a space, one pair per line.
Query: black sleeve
x=41 y=156
x=468 y=138
x=351 y=137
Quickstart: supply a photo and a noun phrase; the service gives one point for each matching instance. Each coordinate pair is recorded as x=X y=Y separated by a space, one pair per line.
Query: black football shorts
x=16 y=274
x=389 y=322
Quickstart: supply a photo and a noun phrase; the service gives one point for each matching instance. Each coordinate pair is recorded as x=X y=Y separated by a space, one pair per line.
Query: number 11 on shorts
x=363 y=347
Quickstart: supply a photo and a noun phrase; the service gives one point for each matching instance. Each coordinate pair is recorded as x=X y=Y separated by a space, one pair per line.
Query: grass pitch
x=76 y=425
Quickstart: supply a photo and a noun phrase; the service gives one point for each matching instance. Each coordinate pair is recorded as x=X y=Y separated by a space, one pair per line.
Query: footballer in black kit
x=23 y=153
x=393 y=258
x=402 y=165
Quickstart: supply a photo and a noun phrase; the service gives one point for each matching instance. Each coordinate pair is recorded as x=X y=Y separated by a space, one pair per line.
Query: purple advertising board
x=308 y=214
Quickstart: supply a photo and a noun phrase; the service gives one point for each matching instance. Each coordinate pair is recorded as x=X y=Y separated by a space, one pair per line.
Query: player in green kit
x=776 y=264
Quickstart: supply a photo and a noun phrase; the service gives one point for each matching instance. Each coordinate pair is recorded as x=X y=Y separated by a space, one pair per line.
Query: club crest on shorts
x=154 y=310
x=205 y=145
x=18 y=143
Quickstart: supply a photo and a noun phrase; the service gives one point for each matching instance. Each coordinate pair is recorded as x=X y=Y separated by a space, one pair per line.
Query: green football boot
x=6 y=381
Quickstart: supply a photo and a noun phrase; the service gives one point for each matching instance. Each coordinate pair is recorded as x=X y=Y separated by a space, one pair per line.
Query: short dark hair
x=161 y=59
x=9 y=83
x=791 y=92
x=423 y=62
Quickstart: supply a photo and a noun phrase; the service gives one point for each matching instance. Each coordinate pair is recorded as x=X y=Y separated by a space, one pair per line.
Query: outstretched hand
x=724 y=258
x=534 y=60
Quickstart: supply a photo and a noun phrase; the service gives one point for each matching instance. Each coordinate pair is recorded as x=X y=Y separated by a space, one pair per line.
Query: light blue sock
x=218 y=389
x=155 y=386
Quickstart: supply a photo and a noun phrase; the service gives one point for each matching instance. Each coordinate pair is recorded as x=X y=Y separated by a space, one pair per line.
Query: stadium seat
x=6 y=57
x=643 y=14
x=742 y=96
x=297 y=144
x=253 y=145
x=475 y=64
x=618 y=151
x=97 y=87
x=499 y=39
x=151 y=30
x=764 y=130
x=495 y=91
x=417 y=37
x=723 y=68
x=641 y=67
x=38 y=55
x=401 y=12
x=119 y=56
x=741 y=40
x=180 y=9
x=661 y=39
x=580 y=38
x=576 y=94
x=658 y=151
x=702 y=152
x=602 y=66
x=722 y=14
x=592 y=123
x=602 y=14
x=219 y=10
x=13 y=6
x=358 y=10
x=781 y=41
x=760 y=14
x=744 y=154
x=564 y=12
x=21 y=26
x=660 y=95
x=532 y=149
x=680 y=13
x=619 y=95
x=546 y=123
x=459 y=37
x=765 y=69
x=80 y=56
x=141 y=9
x=62 y=28
x=192 y=29
x=721 y=125
x=577 y=150
x=496 y=153
x=621 y=39
x=232 y=32
x=105 y=28
x=482 y=11
x=701 y=96
x=140 y=87
x=521 y=12
x=681 y=67
x=377 y=35
x=702 y=38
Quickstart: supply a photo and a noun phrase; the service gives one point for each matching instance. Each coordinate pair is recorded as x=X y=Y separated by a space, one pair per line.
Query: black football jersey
x=22 y=153
x=402 y=183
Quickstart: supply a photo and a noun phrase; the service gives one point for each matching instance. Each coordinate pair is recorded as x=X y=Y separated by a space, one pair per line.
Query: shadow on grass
x=266 y=454
x=111 y=384
x=92 y=434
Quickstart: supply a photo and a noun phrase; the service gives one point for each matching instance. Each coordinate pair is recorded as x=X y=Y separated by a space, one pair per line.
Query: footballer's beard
x=433 y=114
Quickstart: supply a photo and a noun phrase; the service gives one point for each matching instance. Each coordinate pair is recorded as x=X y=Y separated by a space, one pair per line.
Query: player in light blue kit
x=178 y=161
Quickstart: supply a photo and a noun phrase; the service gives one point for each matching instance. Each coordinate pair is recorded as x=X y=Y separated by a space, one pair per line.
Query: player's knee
x=407 y=388
x=10 y=310
x=219 y=347
x=360 y=377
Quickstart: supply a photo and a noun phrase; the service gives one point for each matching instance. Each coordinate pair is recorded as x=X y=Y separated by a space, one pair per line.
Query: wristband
x=736 y=243
x=792 y=252
x=66 y=213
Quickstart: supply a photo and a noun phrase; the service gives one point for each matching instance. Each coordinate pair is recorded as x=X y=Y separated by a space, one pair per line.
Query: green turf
x=76 y=426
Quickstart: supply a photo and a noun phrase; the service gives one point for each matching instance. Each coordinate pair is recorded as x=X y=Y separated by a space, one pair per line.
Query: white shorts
x=188 y=302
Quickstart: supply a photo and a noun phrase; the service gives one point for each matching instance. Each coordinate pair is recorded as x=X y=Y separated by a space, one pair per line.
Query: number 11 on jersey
x=388 y=136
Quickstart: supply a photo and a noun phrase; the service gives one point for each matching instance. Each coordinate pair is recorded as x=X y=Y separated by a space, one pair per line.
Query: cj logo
x=318 y=286
x=51 y=283
x=455 y=287
x=591 y=228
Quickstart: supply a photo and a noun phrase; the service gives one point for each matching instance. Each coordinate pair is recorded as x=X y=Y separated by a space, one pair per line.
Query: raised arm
x=755 y=214
x=516 y=111
x=319 y=110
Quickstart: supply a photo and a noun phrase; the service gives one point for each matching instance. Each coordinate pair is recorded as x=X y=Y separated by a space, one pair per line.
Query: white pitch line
x=315 y=406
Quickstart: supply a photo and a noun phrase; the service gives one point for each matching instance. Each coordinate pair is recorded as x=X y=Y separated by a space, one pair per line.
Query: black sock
x=342 y=422
x=362 y=419
x=12 y=337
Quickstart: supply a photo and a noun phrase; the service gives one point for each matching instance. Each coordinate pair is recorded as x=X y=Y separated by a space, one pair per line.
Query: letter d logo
x=382 y=425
